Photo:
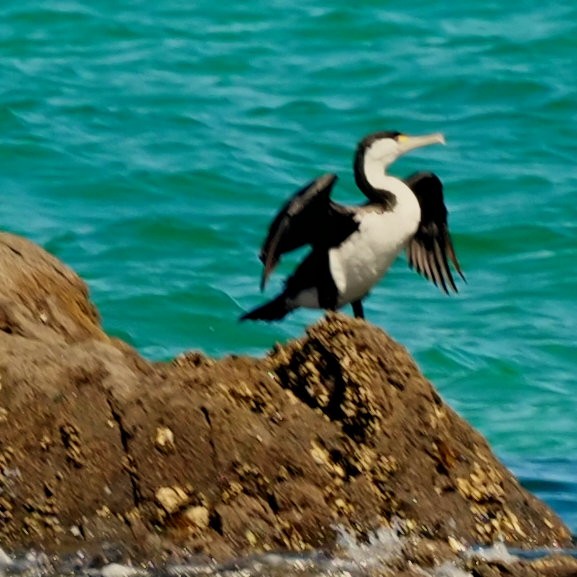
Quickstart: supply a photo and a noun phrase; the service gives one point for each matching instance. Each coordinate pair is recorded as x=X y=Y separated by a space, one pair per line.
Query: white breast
x=364 y=257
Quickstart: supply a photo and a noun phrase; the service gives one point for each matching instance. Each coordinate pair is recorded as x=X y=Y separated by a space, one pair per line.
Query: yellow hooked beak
x=407 y=143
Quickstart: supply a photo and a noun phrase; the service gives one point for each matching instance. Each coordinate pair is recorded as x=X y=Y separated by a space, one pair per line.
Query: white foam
x=118 y=570
x=5 y=560
x=448 y=569
x=383 y=545
x=497 y=552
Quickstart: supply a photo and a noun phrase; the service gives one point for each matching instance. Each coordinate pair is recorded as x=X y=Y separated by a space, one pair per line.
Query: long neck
x=373 y=182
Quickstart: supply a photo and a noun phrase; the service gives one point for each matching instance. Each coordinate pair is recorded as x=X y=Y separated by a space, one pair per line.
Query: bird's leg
x=358 y=309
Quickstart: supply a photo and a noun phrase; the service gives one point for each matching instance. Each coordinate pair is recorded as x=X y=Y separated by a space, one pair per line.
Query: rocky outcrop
x=337 y=429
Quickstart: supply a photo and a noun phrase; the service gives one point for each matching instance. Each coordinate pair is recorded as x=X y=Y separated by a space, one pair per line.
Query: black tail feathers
x=273 y=310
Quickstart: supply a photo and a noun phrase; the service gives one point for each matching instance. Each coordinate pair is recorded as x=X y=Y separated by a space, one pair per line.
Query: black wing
x=308 y=217
x=431 y=248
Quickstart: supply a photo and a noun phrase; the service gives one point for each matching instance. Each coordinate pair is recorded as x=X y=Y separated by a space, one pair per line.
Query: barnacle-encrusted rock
x=231 y=456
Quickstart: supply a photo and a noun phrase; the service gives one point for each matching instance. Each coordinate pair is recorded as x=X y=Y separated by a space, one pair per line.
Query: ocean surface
x=148 y=145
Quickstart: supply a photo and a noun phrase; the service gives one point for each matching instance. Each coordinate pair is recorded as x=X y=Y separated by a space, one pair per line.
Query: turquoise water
x=147 y=144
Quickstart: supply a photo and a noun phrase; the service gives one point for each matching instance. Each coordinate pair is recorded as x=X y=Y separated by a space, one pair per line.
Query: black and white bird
x=352 y=247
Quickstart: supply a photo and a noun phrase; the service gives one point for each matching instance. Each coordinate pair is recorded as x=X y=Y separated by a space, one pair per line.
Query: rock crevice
x=128 y=461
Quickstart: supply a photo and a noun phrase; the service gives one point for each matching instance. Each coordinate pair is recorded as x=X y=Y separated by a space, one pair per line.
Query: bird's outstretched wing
x=431 y=248
x=308 y=217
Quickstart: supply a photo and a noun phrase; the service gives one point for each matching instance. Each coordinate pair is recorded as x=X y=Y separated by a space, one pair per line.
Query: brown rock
x=41 y=298
x=552 y=566
x=238 y=455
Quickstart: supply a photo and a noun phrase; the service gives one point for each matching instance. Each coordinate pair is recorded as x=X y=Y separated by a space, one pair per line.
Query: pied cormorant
x=353 y=246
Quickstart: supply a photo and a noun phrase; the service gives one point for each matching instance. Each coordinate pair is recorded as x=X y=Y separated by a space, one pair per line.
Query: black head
x=368 y=140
